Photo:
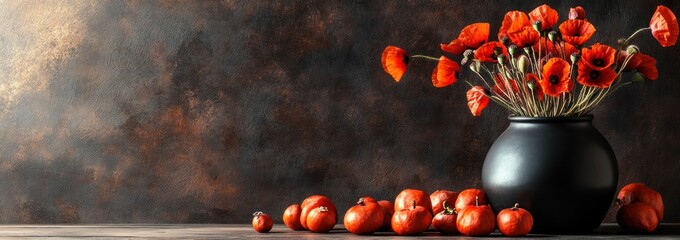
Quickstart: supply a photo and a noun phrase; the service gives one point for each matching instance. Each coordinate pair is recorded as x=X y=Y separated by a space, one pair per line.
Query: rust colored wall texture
x=206 y=111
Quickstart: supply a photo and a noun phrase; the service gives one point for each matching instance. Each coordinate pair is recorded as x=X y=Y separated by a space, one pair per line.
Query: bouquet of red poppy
x=532 y=69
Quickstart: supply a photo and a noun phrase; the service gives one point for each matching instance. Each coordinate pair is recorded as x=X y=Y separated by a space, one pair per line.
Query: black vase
x=560 y=169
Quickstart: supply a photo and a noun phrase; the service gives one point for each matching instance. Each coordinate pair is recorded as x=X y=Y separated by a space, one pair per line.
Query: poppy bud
x=512 y=50
x=497 y=51
x=632 y=49
x=505 y=40
x=575 y=57
x=523 y=63
x=468 y=53
x=531 y=85
x=622 y=42
x=528 y=50
x=554 y=36
x=475 y=66
x=501 y=59
x=537 y=26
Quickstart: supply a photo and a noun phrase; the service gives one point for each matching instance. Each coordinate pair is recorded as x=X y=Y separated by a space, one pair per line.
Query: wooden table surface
x=244 y=231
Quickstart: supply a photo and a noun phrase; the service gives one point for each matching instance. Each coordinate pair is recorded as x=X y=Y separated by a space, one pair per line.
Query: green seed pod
x=512 y=50
x=632 y=49
x=523 y=64
x=575 y=57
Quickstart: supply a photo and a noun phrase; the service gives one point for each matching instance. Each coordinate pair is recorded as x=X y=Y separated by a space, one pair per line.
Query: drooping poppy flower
x=486 y=52
x=556 y=77
x=477 y=100
x=588 y=76
x=546 y=15
x=394 y=61
x=446 y=72
x=501 y=88
x=598 y=57
x=633 y=62
x=455 y=47
x=532 y=80
x=664 y=26
x=648 y=67
x=512 y=22
x=577 y=13
x=576 y=31
x=472 y=36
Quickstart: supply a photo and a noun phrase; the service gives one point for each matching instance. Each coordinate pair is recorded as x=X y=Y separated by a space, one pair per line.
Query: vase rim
x=584 y=118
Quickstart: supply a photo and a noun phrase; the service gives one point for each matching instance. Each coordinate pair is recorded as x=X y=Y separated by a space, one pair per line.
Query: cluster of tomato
x=640 y=210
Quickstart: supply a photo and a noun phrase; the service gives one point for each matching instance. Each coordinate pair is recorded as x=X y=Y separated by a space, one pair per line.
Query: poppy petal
x=525 y=37
x=547 y=15
x=446 y=72
x=456 y=47
x=474 y=35
x=633 y=62
x=513 y=21
x=477 y=100
x=648 y=67
x=576 y=31
x=664 y=26
x=394 y=61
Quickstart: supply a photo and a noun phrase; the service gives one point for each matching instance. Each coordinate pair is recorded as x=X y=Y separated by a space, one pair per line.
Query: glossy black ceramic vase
x=560 y=169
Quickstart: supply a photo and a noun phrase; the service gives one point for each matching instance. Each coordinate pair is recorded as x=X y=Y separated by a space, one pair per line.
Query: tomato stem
x=361 y=202
x=516 y=207
x=323 y=209
x=414 y=204
x=476 y=200
x=257 y=214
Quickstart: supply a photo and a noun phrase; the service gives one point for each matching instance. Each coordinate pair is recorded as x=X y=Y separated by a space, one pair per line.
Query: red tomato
x=411 y=221
x=445 y=221
x=476 y=221
x=364 y=218
x=468 y=197
x=262 y=222
x=313 y=202
x=638 y=192
x=637 y=217
x=407 y=196
x=291 y=217
x=515 y=221
x=388 y=209
x=438 y=197
x=321 y=220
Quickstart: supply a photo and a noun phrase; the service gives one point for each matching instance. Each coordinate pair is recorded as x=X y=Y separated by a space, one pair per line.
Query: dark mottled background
x=206 y=111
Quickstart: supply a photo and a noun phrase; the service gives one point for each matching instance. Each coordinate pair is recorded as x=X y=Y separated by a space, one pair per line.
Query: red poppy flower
x=394 y=61
x=664 y=26
x=598 y=57
x=633 y=62
x=525 y=37
x=556 y=77
x=512 y=22
x=477 y=100
x=546 y=15
x=648 y=67
x=446 y=72
x=472 y=36
x=485 y=53
x=588 y=76
x=577 y=13
x=538 y=90
x=576 y=31
x=500 y=87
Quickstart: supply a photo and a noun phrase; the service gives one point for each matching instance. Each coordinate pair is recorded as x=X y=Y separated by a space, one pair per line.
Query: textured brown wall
x=197 y=111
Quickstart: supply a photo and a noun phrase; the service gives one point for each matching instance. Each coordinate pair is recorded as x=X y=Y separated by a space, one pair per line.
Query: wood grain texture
x=206 y=111
x=244 y=231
